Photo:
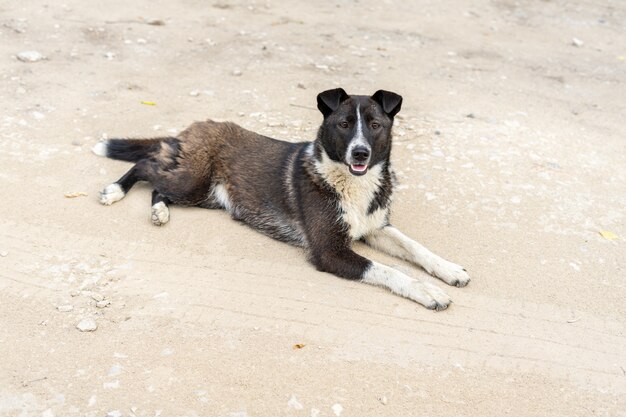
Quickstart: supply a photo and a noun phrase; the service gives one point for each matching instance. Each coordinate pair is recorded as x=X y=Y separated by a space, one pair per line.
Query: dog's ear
x=328 y=101
x=390 y=102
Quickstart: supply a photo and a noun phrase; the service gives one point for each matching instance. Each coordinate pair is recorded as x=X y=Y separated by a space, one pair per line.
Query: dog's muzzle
x=358 y=160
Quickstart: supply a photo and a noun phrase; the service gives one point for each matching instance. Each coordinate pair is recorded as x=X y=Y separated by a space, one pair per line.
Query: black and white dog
x=320 y=195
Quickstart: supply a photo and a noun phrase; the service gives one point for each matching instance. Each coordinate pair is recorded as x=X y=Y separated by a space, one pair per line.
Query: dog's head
x=356 y=130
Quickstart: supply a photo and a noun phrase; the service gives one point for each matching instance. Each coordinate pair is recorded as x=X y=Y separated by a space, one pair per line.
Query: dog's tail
x=131 y=150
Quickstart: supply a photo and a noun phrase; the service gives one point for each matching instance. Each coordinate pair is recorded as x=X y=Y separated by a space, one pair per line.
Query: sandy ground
x=511 y=154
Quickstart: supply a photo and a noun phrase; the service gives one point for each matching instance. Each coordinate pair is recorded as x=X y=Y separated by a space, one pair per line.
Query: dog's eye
x=375 y=125
x=343 y=124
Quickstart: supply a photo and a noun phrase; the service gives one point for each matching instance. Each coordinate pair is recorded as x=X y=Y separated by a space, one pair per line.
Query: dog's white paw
x=450 y=273
x=111 y=194
x=428 y=295
x=160 y=214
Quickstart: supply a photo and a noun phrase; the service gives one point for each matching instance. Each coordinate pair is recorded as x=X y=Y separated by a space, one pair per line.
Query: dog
x=320 y=195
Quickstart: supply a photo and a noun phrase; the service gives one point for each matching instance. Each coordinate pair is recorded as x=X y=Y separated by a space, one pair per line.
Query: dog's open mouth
x=356 y=169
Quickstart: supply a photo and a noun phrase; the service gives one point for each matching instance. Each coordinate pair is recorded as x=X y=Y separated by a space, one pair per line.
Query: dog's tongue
x=359 y=168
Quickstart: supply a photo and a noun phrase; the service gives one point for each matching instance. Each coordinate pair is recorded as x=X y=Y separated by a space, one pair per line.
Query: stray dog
x=319 y=195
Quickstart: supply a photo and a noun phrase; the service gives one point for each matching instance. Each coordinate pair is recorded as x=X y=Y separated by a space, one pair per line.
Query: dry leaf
x=608 y=235
x=76 y=194
x=299 y=345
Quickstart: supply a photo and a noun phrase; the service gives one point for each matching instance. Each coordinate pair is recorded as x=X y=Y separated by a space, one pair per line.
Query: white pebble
x=87 y=325
x=96 y=296
x=194 y=93
x=167 y=352
x=103 y=303
x=111 y=385
x=65 y=308
x=383 y=400
x=4 y=253
x=315 y=412
x=337 y=409
x=294 y=403
x=30 y=56
x=38 y=115
x=115 y=370
x=114 y=413
x=577 y=42
x=237 y=72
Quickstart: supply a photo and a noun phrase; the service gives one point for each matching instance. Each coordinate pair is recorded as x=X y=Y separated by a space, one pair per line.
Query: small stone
x=470 y=116
x=109 y=55
x=74 y=293
x=103 y=303
x=30 y=56
x=237 y=72
x=194 y=93
x=65 y=308
x=383 y=400
x=294 y=403
x=577 y=42
x=115 y=370
x=155 y=22
x=437 y=132
x=114 y=413
x=77 y=142
x=38 y=115
x=96 y=296
x=141 y=41
x=302 y=86
x=337 y=409
x=4 y=253
x=87 y=325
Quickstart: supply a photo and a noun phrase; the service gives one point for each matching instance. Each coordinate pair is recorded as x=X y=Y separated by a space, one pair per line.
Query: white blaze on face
x=358 y=139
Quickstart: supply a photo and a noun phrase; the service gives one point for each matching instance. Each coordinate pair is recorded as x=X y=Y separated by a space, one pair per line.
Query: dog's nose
x=360 y=154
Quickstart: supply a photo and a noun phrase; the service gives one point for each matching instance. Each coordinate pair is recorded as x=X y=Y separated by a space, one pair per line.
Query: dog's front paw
x=428 y=295
x=450 y=273
x=160 y=214
x=111 y=194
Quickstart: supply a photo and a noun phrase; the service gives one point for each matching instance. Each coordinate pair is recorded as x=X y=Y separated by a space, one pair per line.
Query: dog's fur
x=320 y=195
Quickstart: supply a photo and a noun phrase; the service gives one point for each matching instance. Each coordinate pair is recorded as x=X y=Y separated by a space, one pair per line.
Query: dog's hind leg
x=390 y=240
x=116 y=191
x=160 y=209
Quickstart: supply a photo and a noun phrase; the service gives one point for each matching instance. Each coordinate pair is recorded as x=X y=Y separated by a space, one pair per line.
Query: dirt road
x=511 y=155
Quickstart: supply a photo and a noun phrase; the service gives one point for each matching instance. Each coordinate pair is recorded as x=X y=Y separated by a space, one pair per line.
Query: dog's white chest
x=356 y=194
x=355 y=215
